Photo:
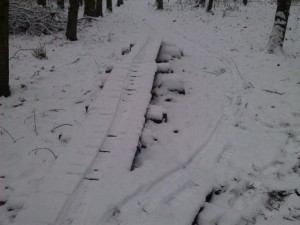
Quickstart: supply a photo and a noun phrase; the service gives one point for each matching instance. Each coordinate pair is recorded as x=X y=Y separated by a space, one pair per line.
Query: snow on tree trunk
x=120 y=2
x=160 y=4
x=99 y=8
x=41 y=2
x=109 y=5
x=280 y=23
x=71 y=32
x=209 y=5
x=4 y=56
x=61 y=4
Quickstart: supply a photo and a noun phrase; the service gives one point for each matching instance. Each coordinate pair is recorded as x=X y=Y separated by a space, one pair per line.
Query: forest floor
x=96 y=134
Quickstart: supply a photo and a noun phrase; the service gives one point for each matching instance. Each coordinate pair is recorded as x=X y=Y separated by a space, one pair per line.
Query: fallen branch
x=8 y=134
x=36 y=149
x=273 y=92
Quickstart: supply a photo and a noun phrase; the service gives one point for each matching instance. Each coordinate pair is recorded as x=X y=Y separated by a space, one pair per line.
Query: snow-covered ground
x=221 y=139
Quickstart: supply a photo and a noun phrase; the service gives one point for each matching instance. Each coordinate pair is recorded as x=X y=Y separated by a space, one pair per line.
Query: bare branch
x=9 y=134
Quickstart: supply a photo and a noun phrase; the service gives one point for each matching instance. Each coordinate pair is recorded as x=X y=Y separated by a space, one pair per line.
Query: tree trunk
x=99 y=8
x=209 y=5
x=61 y=4
x=109 y=5
x=280 y=23
x=245 y=2
x=80 y=2
x=90 y=8
x=120 y=2
x=202 y=3
x=41 y=2
x=4 y=55
x=71 y=32
x=160 y=4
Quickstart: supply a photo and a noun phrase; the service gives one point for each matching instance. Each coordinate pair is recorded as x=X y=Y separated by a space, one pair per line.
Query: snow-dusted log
x=280 y=23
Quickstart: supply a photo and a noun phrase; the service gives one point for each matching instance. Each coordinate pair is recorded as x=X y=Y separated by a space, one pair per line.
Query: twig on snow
x=48 y=149
x=65 y=124
x=34 y=120
x=273 y=92
x=9 y=134
x=98 y=67
x=22 y=49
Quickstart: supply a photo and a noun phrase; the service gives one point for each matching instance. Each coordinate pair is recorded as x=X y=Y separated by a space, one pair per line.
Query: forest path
x=92 y=186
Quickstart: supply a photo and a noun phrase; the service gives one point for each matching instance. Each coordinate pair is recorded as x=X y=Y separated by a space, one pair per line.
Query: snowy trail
x=124 y=196
x=130 y=200
x=119 y=145
x=66 y=181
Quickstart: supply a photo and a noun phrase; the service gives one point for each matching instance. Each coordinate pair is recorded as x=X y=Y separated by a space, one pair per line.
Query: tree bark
x=280 y=24
x=99 y=8
x=202 y=3
x=42 y=2
x=4 y=50
x=90 y=8
x=209 y=5
x=71 y=32
x=61 y=4
x=120 y=2
x=160 y=4
x=109 y=5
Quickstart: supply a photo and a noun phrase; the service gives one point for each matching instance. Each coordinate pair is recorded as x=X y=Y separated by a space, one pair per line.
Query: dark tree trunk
x=245 y=2
x=209 y=5
x=42 y=2
x=71 y=32
x=99 y=8
x=61 y=4
x=109 y=5
x=89 y=8
x=160 y=4
x=120 y=2
x=202 y=3
x=4 y=56
x=280 y=23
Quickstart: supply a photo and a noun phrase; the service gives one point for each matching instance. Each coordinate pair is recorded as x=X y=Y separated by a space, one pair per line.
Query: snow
x=73 y=131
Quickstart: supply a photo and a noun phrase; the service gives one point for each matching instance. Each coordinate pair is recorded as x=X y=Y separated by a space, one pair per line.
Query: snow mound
x=168 y=82
x=164 y=68
x=168 y=51
x=156 y=113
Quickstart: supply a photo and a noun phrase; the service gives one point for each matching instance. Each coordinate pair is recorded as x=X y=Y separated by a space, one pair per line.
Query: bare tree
x=4 y=50
x=120 y=2
x=280 y=23
x=61 y=4
x=71 y=32
x=202 y=3
x=99 y=8
x=209 y=5
x=42 y=2
x=160 y=4
x=109 y=5
x=89 y=7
